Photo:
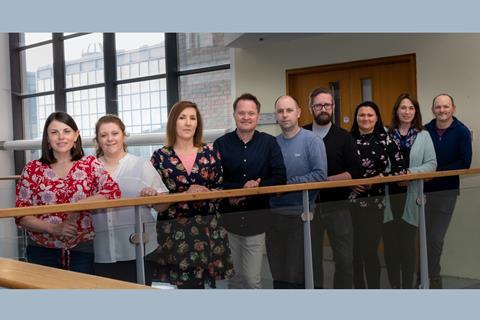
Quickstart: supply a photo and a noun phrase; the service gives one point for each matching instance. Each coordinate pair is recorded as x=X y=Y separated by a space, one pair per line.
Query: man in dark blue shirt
x=453 y=145
x=250 y=159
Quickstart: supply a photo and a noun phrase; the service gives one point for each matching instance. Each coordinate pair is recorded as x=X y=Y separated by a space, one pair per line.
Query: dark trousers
x=399 y=241
x=367 y=232
x=335 y=218
x=438 y=213
x=79 y=259
x=124 y=270
x=284 y=243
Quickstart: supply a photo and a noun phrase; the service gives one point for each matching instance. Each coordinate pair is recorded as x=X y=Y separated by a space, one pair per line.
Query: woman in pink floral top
x=193 y=244
x=62 y=175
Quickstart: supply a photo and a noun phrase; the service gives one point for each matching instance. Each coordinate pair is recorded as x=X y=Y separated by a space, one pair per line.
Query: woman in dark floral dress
x=380 y=156
x=193 y=245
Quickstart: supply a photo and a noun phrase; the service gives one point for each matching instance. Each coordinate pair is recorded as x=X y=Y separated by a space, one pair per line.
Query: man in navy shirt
x=250 y=159
x=453 y=145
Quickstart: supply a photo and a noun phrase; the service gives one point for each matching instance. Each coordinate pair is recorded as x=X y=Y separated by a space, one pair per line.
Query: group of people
x=191 y=244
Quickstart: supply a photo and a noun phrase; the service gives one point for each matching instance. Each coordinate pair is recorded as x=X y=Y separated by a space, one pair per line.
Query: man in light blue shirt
x=305 y=160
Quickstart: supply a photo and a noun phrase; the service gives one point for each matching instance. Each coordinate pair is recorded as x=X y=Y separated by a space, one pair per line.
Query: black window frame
x=172 y=75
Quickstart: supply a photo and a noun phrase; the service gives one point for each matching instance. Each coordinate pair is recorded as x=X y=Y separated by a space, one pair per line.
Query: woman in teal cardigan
x=401 y=211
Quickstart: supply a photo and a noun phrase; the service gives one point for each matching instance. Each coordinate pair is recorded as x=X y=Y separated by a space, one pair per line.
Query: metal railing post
x=307 y=241
x=424 y=282
x=139 y=252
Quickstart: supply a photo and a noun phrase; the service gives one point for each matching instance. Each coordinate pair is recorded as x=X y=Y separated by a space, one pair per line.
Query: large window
x=138 y=76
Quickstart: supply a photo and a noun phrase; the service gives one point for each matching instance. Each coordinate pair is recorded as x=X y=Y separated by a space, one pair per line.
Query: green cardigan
x=422 y=159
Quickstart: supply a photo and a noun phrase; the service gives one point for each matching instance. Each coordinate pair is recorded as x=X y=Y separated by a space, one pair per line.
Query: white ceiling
x=247 y=40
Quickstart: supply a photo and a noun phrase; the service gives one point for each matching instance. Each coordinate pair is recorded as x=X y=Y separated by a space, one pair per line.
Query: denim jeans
x=81 y=257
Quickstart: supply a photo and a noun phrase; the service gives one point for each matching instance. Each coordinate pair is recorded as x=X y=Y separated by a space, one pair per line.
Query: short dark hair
x=247 y=96
x=47 y=153
x=108 y=118
x=417 y=119
x=355 y=131
x=172 y=123
x=316 y=92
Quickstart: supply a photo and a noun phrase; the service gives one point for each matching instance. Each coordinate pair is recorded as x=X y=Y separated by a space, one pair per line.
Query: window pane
x=211 y=92
x=35 y=37
x=84 y=60
x=141 y=112
x=199 y=50
x=37 y=69
x=35 y=112
x=86 y=106
x=138 y=54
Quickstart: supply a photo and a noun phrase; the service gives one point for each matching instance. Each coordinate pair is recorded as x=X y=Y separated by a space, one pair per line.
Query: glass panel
x=199 y=50
x=367 y=89
x=35 y=37
x=140 y=54
x=84 y=60
x=212 y=93
x=37 y=69
x=86 y=106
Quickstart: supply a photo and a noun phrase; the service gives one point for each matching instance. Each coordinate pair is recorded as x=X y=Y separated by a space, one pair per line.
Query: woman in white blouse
x=114 y=253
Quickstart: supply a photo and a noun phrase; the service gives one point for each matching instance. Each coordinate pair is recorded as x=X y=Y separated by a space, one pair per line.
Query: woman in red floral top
x=193 y=244
x=62 y=175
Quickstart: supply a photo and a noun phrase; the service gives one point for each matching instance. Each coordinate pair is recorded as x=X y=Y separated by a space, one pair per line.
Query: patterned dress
x=378 y=152
x=193 y=244
x=39 y=185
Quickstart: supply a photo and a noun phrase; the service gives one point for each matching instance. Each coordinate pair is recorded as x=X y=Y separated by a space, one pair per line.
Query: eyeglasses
x=320 y=106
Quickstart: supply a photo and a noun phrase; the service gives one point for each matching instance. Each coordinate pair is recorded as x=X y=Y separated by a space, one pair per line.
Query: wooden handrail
x=10 y=178
x=182 y=197
x=22 y=275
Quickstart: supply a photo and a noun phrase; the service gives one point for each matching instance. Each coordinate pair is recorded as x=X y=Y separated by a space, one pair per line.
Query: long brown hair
x=109 y=118
x=172 y=123
x=417 y=119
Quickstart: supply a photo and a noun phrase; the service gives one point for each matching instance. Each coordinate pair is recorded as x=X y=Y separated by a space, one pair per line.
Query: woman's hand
x=359 y=189
x=195 y=188
x=148 y=192
x=67 y=229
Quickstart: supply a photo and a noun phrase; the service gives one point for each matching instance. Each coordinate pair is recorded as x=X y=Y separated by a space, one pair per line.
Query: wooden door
x=380 y=80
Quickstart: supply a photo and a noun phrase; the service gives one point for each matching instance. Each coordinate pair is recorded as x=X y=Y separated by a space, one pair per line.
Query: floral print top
x=379 y=154
x=193 y=244
x=39 y=185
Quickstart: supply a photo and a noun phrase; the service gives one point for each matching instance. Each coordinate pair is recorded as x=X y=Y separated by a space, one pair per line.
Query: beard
x=323 y=118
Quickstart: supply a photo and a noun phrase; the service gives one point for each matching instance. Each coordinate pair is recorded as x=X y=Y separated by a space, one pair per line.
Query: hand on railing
x=151 y=192
x=195 y=188
x=148 y=192
x=249 y=184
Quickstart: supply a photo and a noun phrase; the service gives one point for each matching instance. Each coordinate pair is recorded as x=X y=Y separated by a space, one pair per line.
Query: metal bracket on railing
x=135 y=238
x=307 y=216
x=421 y=200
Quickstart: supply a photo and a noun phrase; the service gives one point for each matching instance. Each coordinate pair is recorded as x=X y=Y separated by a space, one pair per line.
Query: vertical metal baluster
x=307 y=241
x=139 y=252
x=424 y=283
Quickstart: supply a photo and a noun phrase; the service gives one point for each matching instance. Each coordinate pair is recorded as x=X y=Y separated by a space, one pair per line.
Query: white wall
x=445 y=63
x=8 y=243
